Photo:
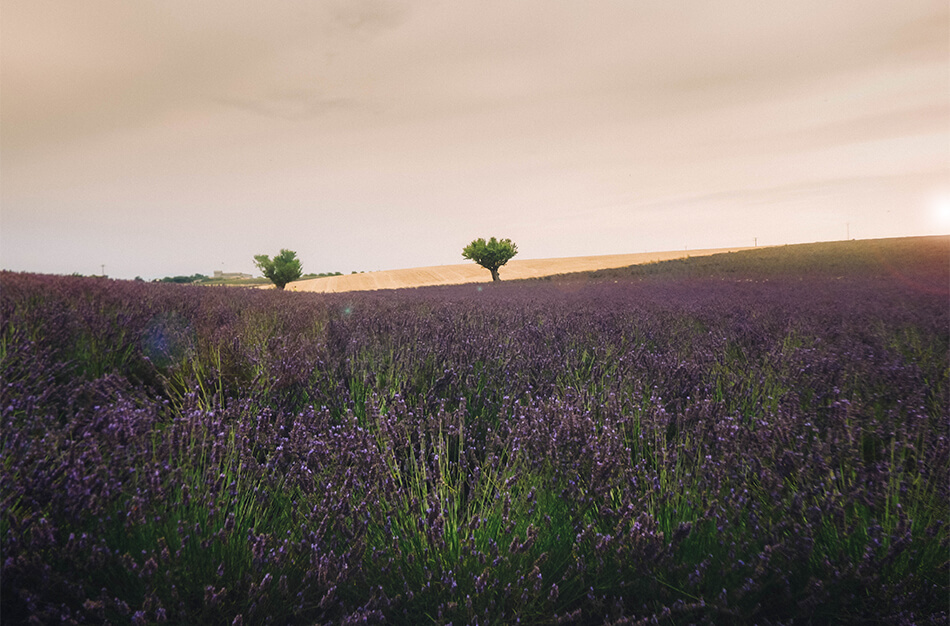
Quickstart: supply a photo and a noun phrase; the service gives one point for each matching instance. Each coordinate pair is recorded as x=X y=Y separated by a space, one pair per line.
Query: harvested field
x=472 y=273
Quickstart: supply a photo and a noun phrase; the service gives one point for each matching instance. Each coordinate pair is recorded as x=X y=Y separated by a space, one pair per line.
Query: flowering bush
x=732 y=448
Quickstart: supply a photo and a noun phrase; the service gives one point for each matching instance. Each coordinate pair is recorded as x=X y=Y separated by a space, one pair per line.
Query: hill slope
x=923 y=260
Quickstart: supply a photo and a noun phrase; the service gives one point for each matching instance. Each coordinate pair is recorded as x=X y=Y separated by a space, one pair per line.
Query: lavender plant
x=703 y=448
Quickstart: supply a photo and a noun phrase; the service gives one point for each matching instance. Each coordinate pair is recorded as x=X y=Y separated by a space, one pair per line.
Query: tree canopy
x=282 y=269
x=490 y=254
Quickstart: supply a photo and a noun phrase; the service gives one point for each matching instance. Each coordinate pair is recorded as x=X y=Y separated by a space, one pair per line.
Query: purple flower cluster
x=700 y=450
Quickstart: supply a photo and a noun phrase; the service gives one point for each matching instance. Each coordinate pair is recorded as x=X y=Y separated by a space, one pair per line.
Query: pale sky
x=173 y=137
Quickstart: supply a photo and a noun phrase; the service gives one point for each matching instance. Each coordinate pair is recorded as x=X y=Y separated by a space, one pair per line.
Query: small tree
x=490 y=254
x=283 y=269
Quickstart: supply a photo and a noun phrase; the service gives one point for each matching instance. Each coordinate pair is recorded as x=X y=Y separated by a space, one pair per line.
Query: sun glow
x=939 y=207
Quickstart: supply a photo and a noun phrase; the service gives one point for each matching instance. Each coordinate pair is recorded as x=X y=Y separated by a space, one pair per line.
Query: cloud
x=293 y=105
x=76 y=70
x=368 y=15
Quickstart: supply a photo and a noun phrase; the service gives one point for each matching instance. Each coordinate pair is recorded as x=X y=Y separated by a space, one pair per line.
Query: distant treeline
x=201 y=278
x=194 y=278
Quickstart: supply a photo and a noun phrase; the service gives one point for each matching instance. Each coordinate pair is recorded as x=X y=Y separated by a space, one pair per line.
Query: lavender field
x=745 y=439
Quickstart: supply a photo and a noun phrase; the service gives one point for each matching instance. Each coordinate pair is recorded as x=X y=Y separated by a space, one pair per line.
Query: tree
x=490 y=254
x=184 y=280
x=285 y=267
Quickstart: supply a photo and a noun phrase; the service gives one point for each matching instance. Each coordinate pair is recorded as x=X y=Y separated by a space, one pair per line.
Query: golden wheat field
x=472 y=273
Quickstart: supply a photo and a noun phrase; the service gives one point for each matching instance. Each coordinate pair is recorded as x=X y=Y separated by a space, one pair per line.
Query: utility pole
x=755 y=242
x=103 y=266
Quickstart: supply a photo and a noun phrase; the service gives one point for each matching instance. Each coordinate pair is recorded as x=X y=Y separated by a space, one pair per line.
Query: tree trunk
x=494 y=275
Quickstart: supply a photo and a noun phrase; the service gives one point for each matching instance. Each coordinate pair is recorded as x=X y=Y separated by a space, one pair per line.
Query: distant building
x=219 y=275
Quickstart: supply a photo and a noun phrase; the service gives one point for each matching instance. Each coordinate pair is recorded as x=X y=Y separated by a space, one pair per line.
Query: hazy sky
x=175 y=137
